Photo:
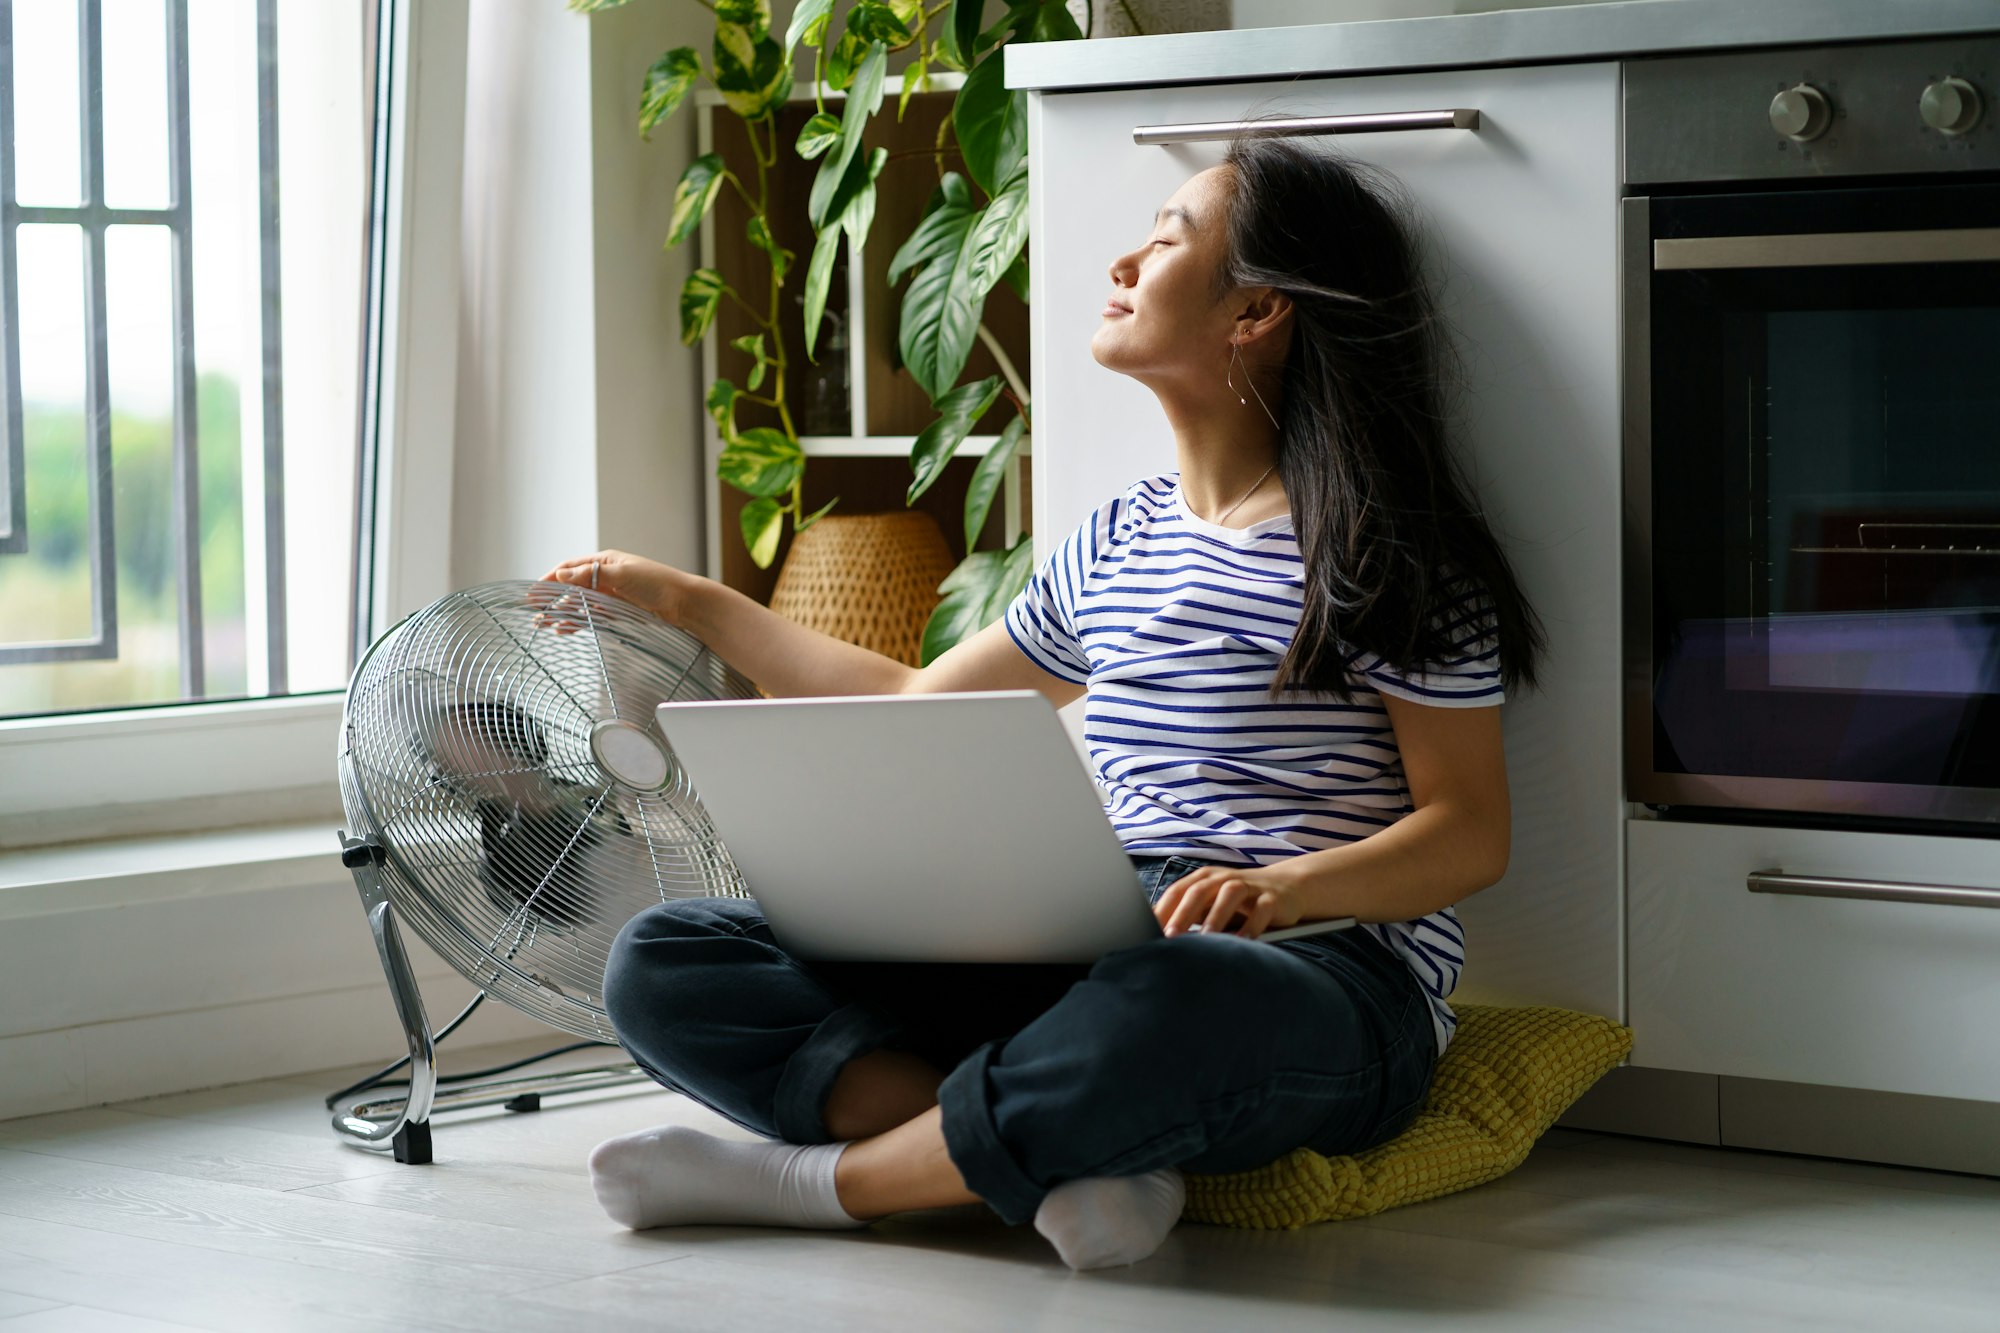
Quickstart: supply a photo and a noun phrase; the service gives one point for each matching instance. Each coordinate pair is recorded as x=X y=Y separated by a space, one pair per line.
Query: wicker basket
x=870 y=579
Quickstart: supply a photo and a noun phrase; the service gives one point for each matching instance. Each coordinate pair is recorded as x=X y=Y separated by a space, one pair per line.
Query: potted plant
x=970 y=239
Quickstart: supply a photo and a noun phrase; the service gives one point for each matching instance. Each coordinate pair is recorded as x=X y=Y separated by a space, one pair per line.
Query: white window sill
x=75 y=877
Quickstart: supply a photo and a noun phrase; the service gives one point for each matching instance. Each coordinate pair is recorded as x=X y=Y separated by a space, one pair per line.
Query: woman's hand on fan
x=635 y=579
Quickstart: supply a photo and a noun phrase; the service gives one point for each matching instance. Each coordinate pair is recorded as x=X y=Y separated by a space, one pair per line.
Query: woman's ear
x=1264 y=311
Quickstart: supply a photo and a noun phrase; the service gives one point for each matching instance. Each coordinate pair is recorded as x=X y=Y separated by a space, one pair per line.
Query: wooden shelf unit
x=867 y=466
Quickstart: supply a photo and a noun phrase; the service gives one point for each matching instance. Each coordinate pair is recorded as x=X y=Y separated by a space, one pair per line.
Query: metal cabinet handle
x=1946 y=245
x=1377 y=122
x=1819 y=886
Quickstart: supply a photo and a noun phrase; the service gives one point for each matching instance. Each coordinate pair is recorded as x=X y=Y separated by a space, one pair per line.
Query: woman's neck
x=1224 y=447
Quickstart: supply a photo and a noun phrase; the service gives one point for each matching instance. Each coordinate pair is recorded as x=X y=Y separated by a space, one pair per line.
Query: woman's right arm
x=788 y=660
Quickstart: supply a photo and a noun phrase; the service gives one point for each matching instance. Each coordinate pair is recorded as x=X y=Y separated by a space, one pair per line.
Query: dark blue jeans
x=1207 y=1052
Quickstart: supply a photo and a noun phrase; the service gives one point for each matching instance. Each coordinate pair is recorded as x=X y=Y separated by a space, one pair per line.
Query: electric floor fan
x=512 y=801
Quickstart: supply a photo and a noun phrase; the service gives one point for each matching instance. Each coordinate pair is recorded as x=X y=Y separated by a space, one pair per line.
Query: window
x=184 y=223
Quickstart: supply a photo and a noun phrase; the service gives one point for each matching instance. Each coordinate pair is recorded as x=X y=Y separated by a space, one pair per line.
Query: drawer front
x=1522 y=222
x=1893 y=996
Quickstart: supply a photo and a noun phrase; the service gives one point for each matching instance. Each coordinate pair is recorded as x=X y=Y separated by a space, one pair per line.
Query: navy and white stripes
x=1177 y=626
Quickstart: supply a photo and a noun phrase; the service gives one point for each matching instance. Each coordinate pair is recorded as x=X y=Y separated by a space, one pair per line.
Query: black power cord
x=380 y=1078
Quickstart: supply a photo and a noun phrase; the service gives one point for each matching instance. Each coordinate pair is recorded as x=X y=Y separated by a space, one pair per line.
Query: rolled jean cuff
x=799 y=1103
x=973 y=1141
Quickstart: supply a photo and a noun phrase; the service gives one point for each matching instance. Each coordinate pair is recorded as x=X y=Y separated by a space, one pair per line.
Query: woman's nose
x=1123 y=269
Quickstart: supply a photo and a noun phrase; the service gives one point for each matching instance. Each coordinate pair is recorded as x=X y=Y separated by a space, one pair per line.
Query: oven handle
x=1819 y=886
x=1374 y=122
x=1952 y=245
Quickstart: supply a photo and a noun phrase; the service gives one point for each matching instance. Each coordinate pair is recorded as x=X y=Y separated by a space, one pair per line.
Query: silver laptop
x=914 y=828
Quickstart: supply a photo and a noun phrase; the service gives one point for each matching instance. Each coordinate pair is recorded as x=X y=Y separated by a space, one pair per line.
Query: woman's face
x=1163 y=321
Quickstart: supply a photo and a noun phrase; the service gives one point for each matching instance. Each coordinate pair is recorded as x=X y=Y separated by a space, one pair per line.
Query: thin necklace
x=1218 y=521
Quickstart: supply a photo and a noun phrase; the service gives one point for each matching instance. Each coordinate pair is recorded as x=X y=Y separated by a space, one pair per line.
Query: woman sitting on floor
x=1291 y=648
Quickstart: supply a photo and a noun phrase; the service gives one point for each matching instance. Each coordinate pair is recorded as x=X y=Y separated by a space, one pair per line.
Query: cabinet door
x=1523 y=218
x=1850 y=993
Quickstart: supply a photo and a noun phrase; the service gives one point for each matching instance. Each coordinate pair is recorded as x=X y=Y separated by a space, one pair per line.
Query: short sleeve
x=1468 y=676
x=1041 y=620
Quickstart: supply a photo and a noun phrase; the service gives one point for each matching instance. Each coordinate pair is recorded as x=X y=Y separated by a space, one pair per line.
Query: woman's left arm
x=1452 y=844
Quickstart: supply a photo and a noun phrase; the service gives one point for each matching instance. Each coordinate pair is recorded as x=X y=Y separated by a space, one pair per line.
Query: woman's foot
x=675 y=1176
x=1105 y=1221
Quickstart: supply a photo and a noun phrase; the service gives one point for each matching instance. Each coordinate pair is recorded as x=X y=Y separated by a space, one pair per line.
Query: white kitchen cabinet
x=1890 y=996
x=1523 y=214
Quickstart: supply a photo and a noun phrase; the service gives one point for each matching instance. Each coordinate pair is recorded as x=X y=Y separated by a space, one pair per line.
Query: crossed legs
x=1160 y=1055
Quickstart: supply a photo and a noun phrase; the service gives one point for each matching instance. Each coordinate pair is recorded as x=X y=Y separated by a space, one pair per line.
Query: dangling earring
x=1229 y=378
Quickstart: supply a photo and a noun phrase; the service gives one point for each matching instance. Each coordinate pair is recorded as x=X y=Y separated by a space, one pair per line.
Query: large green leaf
x=666 y=85
x=818 y=271
x=995 y=239
x=808 y=24
x=975 y=595
x=986 y=478
x=751 y=69
x=941 y=230
x=760 y=236
x=694 y=194
x=762 y=522
x=863 y=100
x=700 y=295
x=937 y=332
x=957 y=412
x=819 y=133
x=761 y=461
x=991 y=122
x=595 y=6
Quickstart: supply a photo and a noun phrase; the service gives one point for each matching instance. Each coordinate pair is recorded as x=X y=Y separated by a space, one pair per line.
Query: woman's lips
x=1113 y=308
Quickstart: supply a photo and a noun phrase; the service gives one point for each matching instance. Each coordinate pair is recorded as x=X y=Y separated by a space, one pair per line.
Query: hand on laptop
x=1246 y=901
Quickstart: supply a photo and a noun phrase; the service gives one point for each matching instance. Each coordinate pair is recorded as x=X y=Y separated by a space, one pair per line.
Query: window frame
x=127 y=765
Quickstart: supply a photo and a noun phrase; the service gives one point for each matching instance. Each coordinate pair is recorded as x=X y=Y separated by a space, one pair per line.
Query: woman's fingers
x=1259 y=920
x=1232 y=899
x=1195 y=894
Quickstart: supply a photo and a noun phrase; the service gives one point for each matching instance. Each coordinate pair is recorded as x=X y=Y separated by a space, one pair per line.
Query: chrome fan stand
x=402 y=1124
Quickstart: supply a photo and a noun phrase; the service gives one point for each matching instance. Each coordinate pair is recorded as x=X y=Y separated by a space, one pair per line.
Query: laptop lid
x=913 y=828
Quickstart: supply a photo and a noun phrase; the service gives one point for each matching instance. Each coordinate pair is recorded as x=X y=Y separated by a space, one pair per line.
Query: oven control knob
x=1801 y=113
x=1950 y=106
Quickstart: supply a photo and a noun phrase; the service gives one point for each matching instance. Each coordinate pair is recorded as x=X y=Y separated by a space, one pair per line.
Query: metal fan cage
x=500 y=746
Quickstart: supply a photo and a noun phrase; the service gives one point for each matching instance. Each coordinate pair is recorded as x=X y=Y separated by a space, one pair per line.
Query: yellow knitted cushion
x=1503 y=1080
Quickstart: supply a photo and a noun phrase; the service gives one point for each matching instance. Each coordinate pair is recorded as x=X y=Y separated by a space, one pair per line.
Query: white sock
x=676 y=1176
x=1105 y=1221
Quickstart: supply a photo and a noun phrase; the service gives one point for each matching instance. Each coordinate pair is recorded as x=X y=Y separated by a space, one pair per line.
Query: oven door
x=1813 y=483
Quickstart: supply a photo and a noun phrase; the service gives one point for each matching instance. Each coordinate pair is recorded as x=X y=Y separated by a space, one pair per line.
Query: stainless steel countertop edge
x=1553 y=35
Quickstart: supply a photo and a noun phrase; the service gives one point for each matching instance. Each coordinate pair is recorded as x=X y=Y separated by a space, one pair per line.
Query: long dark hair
x=1388 y=527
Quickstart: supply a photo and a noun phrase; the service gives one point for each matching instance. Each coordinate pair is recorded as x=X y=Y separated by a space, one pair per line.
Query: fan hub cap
x=630 y=755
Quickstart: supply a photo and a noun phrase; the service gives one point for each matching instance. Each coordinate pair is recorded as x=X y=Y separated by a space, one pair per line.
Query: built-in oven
x=1812 y=362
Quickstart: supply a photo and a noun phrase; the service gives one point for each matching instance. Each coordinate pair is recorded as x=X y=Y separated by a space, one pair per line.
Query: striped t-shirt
x=1176 y=626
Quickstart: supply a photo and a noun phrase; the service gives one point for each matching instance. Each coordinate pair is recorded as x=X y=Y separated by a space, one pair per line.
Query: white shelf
x=891 y=446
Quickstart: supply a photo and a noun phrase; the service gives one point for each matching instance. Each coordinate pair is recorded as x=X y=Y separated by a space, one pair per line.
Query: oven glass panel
x=1826 y=518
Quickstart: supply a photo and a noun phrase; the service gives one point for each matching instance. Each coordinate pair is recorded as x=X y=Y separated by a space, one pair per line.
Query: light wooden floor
x=235 y=1210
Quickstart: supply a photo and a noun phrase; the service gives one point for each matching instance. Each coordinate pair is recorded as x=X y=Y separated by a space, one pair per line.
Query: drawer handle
x=1953 y=245
x=1374 y=122
x=1819 y=886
